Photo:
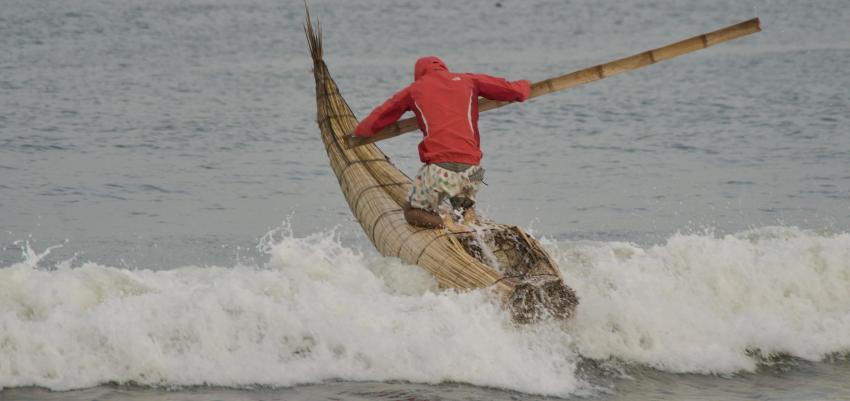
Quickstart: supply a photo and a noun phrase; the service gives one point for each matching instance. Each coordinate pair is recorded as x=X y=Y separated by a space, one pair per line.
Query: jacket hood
x=427 y=64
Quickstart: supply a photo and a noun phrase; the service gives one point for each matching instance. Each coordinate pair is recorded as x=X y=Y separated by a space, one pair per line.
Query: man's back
x=446 y=108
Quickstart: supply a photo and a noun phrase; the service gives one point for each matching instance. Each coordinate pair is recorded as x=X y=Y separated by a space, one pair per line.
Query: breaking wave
x=319 y=310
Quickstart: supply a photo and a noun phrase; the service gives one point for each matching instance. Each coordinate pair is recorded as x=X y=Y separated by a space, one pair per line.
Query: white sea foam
x=319 y=310
x=707 y=304
x=316 y=311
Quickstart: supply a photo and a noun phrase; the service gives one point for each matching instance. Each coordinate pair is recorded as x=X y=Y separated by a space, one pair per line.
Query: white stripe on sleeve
x=424 y=120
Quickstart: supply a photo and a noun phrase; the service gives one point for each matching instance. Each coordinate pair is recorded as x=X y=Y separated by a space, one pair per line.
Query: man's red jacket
x=446 y=108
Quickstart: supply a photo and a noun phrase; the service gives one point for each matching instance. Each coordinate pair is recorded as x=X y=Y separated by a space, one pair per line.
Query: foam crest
x=700 y=303
x=316 y=311
x=319 y=310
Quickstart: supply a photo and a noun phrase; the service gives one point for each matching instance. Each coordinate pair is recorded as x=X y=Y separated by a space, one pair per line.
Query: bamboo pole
x=590 y=74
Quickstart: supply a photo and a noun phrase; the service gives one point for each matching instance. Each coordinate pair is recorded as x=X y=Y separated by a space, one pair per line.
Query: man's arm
x=385 y=114
x=495 y=88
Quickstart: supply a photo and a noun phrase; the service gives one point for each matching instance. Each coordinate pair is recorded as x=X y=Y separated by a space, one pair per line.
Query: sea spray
x=707 y=304
x=318 y=310
x=487 y=253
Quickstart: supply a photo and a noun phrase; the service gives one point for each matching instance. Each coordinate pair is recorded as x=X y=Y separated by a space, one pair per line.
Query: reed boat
x=499 y=257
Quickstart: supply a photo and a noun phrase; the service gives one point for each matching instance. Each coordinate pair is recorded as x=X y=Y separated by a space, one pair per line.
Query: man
x=446 y=108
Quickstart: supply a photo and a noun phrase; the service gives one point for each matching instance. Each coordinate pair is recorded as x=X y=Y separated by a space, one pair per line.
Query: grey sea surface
x=791 y=382
x=156 y=135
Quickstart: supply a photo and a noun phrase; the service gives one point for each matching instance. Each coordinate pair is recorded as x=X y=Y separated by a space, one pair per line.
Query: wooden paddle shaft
x=591 y=74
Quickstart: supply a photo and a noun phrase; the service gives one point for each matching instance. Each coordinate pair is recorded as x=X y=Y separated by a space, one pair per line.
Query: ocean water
x=170 y=228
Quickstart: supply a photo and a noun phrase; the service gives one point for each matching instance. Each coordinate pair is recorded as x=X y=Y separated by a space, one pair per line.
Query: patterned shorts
x=434 y=184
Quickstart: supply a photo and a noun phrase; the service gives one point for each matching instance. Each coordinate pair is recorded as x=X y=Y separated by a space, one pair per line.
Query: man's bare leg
x=454 y=227
x=422 y=218
x=469 y=216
